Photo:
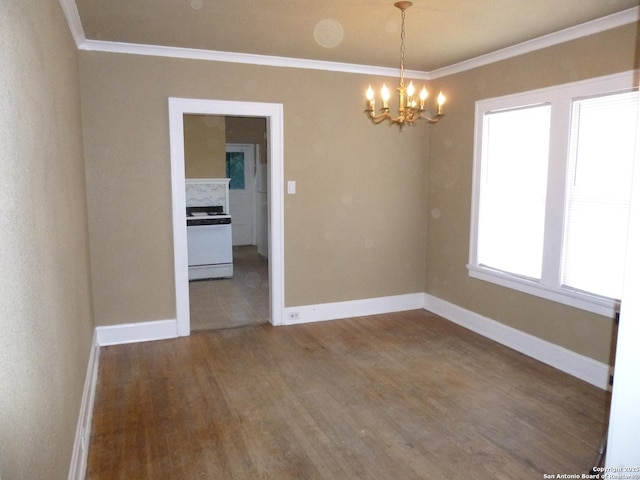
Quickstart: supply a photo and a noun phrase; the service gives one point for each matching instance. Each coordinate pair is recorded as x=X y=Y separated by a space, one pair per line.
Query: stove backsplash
x=203 y=192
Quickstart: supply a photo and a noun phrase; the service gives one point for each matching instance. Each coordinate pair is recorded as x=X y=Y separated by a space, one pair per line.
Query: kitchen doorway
x=273 y=114
x=243 y=298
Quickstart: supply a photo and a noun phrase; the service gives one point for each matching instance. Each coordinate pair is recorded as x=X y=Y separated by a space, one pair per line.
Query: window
x=601 y=156
x=552 y=184
x=516 y=147
x=235 y=170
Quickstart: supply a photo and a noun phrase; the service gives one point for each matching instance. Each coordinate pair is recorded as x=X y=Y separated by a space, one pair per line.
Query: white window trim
x=549 y=286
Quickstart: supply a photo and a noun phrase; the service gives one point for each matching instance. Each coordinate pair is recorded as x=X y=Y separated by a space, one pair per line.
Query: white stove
x=209 y=246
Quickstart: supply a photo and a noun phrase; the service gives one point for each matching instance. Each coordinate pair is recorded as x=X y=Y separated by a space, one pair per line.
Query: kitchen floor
x=233 y=302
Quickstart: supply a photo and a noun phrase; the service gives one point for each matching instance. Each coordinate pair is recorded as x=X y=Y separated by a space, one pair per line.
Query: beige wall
x=45 y=306
x=361 y=224
x=354 y=230
x=205 y=137
x=450 y=173
x=204 y=146
x=248 y=130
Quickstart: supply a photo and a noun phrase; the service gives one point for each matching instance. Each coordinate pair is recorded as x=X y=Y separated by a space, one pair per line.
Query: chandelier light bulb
x=411 y=89
x=385 y=96
x=423 y=96
x=369 y=93
x=371 y=103
x=441 y=99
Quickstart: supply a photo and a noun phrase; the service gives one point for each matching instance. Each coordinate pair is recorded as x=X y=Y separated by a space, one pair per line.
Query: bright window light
x=513 y=191
x=601 y=154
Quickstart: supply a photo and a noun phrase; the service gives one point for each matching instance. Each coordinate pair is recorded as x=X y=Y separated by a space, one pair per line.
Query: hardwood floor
x=232 y=302
x=398 y=396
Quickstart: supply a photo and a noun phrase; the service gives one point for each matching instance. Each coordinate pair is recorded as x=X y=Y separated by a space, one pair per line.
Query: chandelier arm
x=413 y=115
x=409 y=118
x=377 y=119
x=435 y=119
x=385 y=115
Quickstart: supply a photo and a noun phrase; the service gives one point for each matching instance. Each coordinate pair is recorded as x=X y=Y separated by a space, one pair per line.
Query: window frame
x=561 y=99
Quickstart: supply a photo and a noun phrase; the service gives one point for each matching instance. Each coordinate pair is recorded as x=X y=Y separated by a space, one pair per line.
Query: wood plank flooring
x=399 y=396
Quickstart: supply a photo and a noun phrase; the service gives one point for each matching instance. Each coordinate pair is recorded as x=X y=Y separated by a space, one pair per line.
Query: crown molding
x=70 y=10
x=244 y=58
x=609 y=22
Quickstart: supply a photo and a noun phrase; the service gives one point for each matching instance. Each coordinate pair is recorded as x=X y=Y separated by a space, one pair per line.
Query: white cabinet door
x=209 y=244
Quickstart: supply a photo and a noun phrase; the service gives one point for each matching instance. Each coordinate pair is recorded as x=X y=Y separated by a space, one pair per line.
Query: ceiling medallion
x=410 y=108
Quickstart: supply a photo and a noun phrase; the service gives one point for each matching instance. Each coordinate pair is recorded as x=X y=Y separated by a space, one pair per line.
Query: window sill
x=591 y=303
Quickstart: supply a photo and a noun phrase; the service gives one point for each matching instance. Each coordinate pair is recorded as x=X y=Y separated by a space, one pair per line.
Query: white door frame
x=273 y=112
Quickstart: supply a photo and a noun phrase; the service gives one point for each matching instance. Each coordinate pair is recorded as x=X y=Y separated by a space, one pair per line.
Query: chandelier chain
x=402 y=50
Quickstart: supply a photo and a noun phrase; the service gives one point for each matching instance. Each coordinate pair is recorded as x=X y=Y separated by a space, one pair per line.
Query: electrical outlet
x=294 y=315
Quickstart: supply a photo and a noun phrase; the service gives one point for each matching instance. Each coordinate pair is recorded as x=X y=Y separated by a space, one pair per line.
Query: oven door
x=209 y=244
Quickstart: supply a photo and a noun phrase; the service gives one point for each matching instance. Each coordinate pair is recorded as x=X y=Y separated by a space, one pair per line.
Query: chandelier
x=410 y=108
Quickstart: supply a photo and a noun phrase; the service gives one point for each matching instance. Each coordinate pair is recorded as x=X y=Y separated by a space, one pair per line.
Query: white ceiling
x=439 y=33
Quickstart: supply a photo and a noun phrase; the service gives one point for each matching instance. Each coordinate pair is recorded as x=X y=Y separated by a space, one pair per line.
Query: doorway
x=242 y=298
x=178 y=107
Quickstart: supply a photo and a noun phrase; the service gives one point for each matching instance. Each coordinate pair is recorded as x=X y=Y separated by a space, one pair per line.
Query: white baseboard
x=102 y=336
x=136 y=332
x=353 y=308
x=78 y=468
x=580 y=366
x=584 y=368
